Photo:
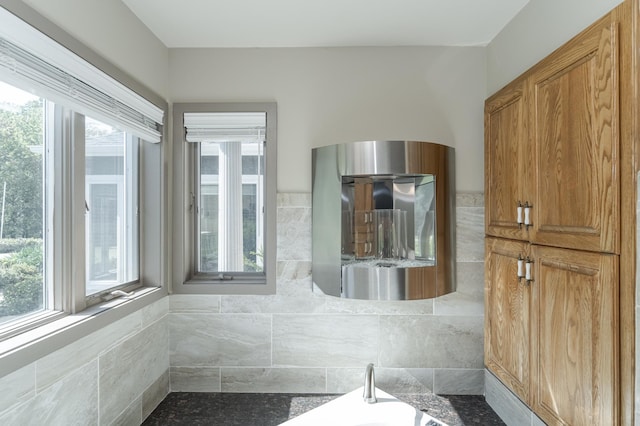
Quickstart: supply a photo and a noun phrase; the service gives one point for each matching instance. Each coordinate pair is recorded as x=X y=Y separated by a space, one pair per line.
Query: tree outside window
x=22 y=204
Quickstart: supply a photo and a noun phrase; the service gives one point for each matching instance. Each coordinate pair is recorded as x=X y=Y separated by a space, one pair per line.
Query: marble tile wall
x=299 y=341
x=293 y=341
x=115 y=376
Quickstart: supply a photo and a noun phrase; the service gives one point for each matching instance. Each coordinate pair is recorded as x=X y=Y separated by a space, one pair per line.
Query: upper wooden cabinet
x=507 y=161
x=575 y=124
x=552 y=143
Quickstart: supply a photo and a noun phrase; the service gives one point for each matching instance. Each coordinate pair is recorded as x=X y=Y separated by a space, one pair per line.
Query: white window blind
x=34 y=62
x=225 y=127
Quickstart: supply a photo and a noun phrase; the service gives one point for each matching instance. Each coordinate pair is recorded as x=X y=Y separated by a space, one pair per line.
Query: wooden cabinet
x=574 y=127
x=552 y=148
x=508 y=161
x=507 y=301
x=552 y=338
x=573 y=336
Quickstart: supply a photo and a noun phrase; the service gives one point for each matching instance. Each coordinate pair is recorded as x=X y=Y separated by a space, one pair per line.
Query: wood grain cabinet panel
x=507 y=161
x=574 y=321
x=575 y=124
x=507 y=300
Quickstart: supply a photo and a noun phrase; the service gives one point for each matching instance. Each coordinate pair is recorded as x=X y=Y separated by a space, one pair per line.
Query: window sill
x=25 y=348
x=202 y=285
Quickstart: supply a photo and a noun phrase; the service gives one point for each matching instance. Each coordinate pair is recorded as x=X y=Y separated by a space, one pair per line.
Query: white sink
x=351 y=410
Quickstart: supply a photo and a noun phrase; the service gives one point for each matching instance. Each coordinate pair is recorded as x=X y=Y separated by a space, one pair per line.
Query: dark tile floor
x=242 y=409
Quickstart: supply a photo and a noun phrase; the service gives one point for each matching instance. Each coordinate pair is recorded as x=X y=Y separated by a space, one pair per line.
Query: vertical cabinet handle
x=521 y=274
x=523 y=214
x=527 y=266
x=527 y=215
x=519 y=215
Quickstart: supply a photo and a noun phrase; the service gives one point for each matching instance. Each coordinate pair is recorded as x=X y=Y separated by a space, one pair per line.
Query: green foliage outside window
x=21 y=282
x=21 y=187
x=21 y=170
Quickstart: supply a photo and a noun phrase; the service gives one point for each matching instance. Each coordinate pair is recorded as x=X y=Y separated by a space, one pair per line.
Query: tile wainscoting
x=299 y=342
x=117 y=375
x=293 y=341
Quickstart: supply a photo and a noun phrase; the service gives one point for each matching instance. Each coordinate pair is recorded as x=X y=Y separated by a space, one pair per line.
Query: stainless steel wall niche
x=384 y=220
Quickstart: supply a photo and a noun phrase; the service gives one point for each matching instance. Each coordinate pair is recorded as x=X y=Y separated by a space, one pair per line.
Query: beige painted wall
x=112 y=30
x=539 y=28
x=334 y=95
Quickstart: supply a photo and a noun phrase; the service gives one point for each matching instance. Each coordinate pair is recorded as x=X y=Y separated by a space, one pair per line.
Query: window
x=23 y=217
x=36 y=162
x=72 y=178
x=111 y=196
x=231 y=176
x=226 y=163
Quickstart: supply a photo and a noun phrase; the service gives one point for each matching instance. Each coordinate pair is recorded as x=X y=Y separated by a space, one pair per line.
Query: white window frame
x=68 y=317
x=65 y=221
x=128 y=239
x=186 y=278
x=78 y=252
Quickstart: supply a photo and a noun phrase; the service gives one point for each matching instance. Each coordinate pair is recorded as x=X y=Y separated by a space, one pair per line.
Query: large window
x=73 y=173
x=226 y=163
x=38 y=158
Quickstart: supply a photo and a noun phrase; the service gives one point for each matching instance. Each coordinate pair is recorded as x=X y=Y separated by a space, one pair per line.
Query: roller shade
x=35 y=63
x=225 y=127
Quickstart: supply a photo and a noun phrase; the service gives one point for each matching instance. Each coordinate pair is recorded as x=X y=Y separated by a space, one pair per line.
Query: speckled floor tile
x=243 y=409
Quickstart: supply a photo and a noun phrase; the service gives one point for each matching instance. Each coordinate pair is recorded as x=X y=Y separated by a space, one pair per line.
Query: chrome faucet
x=369 y=394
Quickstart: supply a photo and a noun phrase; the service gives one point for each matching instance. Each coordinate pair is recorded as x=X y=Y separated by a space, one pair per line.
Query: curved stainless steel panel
x=384 y=220
x=388 y=282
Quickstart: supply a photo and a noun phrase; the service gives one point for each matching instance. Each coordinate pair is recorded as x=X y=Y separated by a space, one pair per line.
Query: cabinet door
x=507 y=161
x=507 y=315
x=574 y=323
x=575 y=128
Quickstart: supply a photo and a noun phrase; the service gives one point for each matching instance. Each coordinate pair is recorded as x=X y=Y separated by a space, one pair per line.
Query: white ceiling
x=324 y=23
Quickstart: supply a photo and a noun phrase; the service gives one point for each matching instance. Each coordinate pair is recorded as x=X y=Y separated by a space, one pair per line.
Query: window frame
x=81 y=198
x=186 y=278
x=38 y=335
x=64 y=280
x=64 y=223
x=76 y=249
